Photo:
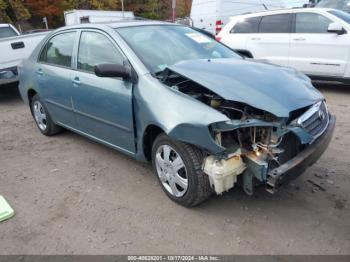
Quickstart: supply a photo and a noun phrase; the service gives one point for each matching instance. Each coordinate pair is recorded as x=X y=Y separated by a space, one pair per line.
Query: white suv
x=315 y=41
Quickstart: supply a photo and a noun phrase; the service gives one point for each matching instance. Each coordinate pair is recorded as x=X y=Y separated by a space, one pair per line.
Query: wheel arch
x=150 y=134
x=30 y=94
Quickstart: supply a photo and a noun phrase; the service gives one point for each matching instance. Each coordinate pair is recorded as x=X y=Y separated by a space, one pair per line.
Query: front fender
x=180 y=116
x=196 y=135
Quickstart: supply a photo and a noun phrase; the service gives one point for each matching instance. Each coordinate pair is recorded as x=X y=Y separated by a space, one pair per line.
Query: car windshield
x=159 y=46
x=7 y=32
x=341 y=14
x=336 y=4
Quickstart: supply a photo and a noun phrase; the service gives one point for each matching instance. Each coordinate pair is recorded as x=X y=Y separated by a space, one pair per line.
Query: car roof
x=130 y=22
x=118 y=24
x=283 y=11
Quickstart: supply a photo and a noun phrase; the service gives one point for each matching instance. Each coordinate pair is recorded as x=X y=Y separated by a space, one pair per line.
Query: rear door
x=237 y=36
x=53 y=75
x=314 y=50
x=273 y=39
x=103 y=105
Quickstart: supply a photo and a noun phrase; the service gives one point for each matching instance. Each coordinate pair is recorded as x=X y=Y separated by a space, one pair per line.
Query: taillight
x=218 y=26
x=218 y=38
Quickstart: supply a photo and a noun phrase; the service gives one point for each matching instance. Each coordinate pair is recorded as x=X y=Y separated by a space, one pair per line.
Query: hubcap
x=171 y=171
x=39 y=115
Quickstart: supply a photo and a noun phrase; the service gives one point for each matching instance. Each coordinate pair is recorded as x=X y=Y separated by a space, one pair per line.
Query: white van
x=74 y=17
x=212 y=15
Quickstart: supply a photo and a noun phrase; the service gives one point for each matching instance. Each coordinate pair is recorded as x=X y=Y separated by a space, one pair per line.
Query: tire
x=198 y=185
x=42 y=117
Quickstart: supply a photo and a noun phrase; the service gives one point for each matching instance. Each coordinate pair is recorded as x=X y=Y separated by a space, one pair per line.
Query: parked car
x=213 y=15
x=75 y=17
x=314 y=41
x=343 y=5
x=34 y=31
x=168 y=94
x=7 y=30
x=14 y=48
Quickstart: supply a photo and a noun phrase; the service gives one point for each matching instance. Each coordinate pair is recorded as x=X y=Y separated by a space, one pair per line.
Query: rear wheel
x=42 y=117
x=179 y=170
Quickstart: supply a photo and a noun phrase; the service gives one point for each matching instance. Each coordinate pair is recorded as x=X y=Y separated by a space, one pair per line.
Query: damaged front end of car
x=276 y=150
x=262 y=147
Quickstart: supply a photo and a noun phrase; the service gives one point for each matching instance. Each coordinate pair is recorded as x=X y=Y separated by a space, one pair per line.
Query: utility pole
x=173 y=6
x=45 y=22
x=123 y=8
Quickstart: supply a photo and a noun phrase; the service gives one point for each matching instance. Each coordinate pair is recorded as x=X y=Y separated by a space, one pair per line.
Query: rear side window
x=275 y=24
x=247 y=26
x=7 y=32
x=58 y=51
x=95 y=49
x=311 y=23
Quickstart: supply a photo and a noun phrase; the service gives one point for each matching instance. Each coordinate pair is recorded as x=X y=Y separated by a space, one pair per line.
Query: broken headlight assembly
x=257 y=141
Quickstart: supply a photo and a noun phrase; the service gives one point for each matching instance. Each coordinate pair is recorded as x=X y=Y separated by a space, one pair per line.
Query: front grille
x=315 y=120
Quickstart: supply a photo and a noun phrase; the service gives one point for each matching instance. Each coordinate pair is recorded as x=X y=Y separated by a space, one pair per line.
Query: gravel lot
x=74 y=196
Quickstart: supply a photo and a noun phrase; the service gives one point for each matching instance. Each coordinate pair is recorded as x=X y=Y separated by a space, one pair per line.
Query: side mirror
x=112 y=70
x=336 y=28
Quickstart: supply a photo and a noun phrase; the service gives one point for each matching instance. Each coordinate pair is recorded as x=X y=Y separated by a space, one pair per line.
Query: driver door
x=103 y=105
x=315 y=51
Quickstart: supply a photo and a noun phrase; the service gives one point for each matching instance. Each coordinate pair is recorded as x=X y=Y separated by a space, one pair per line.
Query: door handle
x=299 y=39
x=17 y=45
x=255 y=38
x=39 y=72
x=76 y=81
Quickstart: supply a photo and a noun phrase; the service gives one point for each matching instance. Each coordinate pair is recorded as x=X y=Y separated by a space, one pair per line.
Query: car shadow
x=330 y=87
x=9 y=93
x=237 y=203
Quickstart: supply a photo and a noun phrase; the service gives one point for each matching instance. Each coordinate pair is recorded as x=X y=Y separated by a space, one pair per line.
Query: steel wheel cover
x=171 y=170
x=40 y=115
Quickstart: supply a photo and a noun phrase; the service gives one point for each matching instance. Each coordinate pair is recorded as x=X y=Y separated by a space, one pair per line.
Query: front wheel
x=179 y=170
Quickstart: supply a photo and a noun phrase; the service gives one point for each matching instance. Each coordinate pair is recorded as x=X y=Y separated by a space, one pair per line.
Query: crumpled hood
x=274 y=89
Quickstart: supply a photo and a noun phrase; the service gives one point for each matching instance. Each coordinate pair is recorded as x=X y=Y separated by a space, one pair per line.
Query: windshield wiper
x=159 y=74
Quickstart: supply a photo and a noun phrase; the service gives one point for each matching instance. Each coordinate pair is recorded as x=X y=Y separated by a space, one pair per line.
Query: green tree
x=35 y=10
x=153 y=9
x=13 y=11
x=4 y=18
x=52 y=10
x=91 y=4
x=104 y=4
x=19 y=10
x=183 y=8
x=73 y=4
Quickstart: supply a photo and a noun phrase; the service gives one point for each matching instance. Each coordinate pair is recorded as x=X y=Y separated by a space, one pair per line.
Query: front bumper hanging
x=297 y=165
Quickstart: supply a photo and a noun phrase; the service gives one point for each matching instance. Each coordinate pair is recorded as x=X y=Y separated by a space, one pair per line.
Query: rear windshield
x=159 y=46
x=336 y=4
x=341 y=14
x=7 y=32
